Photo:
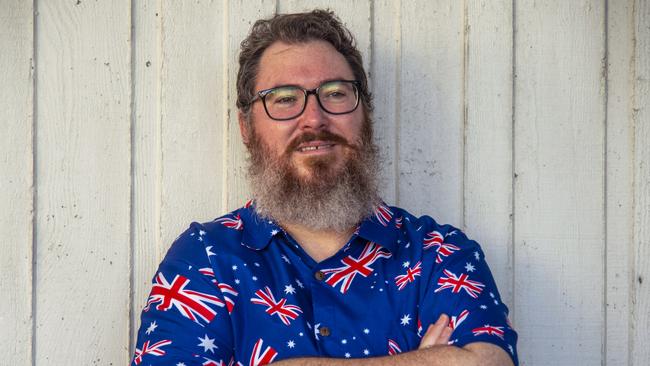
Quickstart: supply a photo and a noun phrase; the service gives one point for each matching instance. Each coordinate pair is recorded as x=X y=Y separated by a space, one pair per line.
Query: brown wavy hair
x=317 y=25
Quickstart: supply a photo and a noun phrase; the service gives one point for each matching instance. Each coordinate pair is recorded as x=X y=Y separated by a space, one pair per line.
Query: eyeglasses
x=289 y=101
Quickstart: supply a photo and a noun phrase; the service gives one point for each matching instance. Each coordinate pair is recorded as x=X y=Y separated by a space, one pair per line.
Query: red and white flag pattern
x=284 y=311
x=393 y=347
x=488 y=329
x=383 y=214
x=259 y=357
x=153 y=349
x=192 y=304
x=456 y=320
x=345 y=274
x=228 y=291
x=457 y=283
x=402 y=280
x=231 y=221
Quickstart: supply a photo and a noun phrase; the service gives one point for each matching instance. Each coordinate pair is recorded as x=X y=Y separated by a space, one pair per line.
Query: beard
x=327 y=197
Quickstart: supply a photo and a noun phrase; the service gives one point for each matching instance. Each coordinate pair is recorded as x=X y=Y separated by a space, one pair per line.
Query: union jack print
x=353 y=266
x=279 y=308
x=393 y=347
x=456 y=320
x=209 y=362
x=398 y=222
x=248 y=203
x=489 y=329
x=228 y=291
x=419 y=327
x=191 y=304
x=259 y=357
x=402 y=280
x=383 y=214
x=235 y=222
x=154 y=349
x=457 y=283
x=435 y=239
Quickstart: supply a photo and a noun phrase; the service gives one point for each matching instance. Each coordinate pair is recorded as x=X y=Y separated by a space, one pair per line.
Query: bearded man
x=316 y=269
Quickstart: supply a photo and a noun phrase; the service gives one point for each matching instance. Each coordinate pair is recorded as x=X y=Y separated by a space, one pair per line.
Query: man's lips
x=315 y=146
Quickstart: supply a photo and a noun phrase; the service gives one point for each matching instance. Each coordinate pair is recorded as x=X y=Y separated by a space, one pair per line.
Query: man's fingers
x=445 y=335
x=434 y=334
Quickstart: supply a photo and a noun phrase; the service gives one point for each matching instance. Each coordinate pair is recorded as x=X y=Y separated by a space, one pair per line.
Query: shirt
x=240 y=291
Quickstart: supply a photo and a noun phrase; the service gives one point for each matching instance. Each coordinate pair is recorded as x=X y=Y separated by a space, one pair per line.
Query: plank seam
x=605 y=78
x=463 y=184
x=34 y=178
x=632 y=262
x=131 y=252
x=513 y=161
x=227 y=106
x=398 y=102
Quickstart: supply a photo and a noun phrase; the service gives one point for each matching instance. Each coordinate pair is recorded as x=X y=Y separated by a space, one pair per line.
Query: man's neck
x=318 y=244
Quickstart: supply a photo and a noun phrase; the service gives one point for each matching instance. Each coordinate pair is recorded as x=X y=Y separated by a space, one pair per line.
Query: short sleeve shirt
x=241 y=291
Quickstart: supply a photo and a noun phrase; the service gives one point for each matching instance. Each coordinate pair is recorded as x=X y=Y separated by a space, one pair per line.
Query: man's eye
x=284 y=100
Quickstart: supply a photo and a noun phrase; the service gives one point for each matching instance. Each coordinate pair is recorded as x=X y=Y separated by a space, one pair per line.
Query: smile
x=315 y=147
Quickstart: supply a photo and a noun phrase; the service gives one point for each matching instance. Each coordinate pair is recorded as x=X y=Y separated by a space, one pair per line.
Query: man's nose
x=313 y=117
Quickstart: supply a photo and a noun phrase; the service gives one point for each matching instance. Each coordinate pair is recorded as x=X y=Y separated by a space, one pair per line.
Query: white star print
x=496 y=302
x=492 y=295
x=274 y=231
x=407 y=245
x=152 y=327
x=300 y=283
x=256 y=264
x=201 y=232
x=234 y=267
x=291 y=344
x=483 y=307
x=511 y=350
x=180 y=364
x=406 y=319
x=477 y=255
x=366 y=352
x=284 y=257
x=200 y=238
x=301 y=334
x=406 y=264
x=366 y=331
x=208 y=251
x=237 y=281
x=344 y=341
x=288 y=289
x=254 y=278
x=316 y=330
x=469 y=267
x=207 y=344
x=451 y=233
x=347 y=354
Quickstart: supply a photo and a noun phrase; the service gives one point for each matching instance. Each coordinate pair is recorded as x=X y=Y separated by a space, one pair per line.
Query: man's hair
x=317 y=25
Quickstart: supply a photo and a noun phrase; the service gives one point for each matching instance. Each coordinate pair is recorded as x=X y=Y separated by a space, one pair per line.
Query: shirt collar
x=382 y=227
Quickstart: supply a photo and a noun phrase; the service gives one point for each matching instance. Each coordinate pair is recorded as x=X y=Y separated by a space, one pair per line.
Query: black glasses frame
x=261 y=95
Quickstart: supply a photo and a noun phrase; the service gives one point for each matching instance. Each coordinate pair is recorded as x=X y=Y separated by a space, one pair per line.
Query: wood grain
x=83 y=167
x=191 y=107
x=620 y=171
x=16 y=177
x=147 y=246
x=431 y=109
x=488 y=136
x=559 y=186
x=640 y=354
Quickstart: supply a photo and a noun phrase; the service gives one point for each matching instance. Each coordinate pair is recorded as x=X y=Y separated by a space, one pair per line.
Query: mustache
x=325 y=136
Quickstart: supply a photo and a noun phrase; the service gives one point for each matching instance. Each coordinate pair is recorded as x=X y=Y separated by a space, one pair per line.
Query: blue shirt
x=240 y=290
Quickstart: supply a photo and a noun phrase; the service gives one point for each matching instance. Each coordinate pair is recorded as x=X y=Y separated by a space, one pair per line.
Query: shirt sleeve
x=461 y=286
x=185 y=320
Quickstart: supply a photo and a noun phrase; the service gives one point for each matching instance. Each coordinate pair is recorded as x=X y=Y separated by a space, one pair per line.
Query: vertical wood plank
x=620 y=170
x=16 y=177
x=431 y=109
x=241 y=15
x=83 y=169
x=192 y=106
x=641 y=300
x=385 y=77
x=148 y=249
x=488 y=136
x=559 y=186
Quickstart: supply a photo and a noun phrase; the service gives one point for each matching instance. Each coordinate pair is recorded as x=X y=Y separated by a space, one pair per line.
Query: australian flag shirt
x=240 y=291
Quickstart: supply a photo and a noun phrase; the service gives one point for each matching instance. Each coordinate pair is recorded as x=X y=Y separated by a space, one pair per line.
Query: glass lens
x=284 y=102
x=338 y=96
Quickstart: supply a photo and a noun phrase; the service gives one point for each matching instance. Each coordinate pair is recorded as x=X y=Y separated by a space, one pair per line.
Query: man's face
x=292 y=142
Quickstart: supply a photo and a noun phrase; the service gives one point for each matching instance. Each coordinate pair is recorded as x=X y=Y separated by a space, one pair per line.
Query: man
x=316 y=269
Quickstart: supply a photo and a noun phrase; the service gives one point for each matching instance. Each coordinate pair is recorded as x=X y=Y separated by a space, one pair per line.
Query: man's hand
x=437 y=333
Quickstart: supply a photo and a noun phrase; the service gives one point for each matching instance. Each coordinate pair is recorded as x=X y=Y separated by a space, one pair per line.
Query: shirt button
x=324 y=331
x=319 y=275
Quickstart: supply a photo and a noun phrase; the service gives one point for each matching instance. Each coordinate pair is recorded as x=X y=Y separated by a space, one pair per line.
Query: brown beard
x=328 y=198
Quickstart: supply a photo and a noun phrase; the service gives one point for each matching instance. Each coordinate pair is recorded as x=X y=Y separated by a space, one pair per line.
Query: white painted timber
x=83 y=174
x=488 y=136
x=239 y=16
x=559 y=189
x=16 y=177
x=641 y=297
x=619 y=186
x=192 y=108
x=384 y=77
x=147 y=247
x=431 y=109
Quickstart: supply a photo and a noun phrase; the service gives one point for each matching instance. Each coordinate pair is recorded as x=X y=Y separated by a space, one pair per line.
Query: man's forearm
x=473 y=354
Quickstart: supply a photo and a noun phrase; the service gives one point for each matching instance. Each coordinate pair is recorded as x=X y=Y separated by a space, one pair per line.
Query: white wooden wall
x=524 y=122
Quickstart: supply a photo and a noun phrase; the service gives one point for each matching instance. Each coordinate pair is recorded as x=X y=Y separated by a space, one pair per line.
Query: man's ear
x=244 y=128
